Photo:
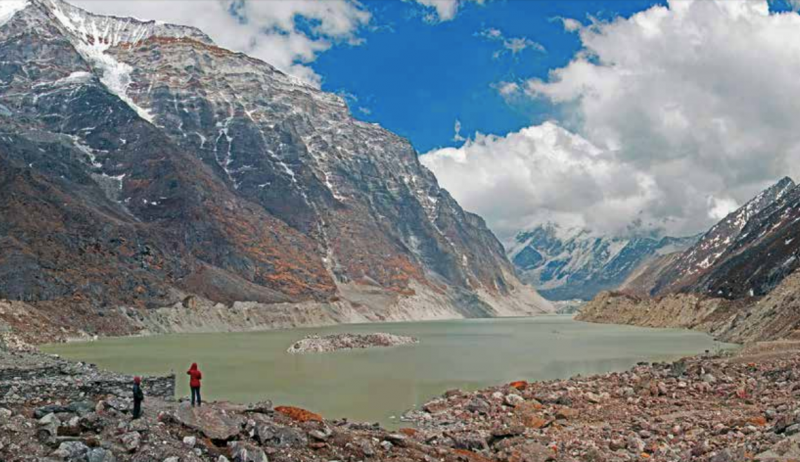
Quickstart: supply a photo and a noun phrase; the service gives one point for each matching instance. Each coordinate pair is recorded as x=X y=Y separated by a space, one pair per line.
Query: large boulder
x=243 y=452
x=280 y=436
x=213 y=422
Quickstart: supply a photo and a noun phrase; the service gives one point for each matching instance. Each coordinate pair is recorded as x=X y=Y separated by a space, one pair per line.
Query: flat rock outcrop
x=213 y=422
x=339 y=342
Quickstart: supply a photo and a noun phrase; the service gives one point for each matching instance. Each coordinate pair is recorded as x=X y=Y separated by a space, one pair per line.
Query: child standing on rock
x=194 y=383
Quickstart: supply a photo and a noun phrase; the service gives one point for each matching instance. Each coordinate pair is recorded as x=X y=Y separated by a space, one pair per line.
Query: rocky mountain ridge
x=142 y=167
x=738 y=282
x=701 y=264
x=576 y=263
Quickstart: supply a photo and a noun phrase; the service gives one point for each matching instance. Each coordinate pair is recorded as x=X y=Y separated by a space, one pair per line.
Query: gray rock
x=72 y=451
x=479 y=405
x=470 y=441
x=131 y=441
x=243 y=452
x=514 y=400
x=49 y=409
x=100 y=455
x=50 y=419
x=210 y=421
x=280 y=436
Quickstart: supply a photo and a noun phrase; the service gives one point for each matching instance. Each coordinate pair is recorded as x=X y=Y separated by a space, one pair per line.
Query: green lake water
x=380 y=384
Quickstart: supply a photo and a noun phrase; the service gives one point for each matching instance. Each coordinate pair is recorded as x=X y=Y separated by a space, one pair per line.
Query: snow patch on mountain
x=9 y=8
x=566 y=263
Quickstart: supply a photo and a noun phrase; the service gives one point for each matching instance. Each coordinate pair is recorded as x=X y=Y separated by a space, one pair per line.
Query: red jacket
x=195 y=376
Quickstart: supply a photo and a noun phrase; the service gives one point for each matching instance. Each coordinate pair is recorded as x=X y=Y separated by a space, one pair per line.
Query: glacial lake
x=378 y=385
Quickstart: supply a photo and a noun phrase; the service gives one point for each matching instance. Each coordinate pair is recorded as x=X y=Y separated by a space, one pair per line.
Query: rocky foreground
x=340 y=342
x=717 y=409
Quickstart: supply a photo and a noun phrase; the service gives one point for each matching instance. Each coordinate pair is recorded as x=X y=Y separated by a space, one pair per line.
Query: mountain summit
x=143 y=167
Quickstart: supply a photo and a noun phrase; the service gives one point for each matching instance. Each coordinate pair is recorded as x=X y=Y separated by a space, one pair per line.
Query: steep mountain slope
x=140 y=165
x=739 y=281
x=699 y=266
x=576 y=263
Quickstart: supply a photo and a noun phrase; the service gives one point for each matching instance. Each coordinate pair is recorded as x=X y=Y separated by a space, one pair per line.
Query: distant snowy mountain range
x=577 y=263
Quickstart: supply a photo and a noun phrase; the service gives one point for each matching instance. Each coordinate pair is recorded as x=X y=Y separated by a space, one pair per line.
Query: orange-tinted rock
x=566 y=413
x=409 y=432
x=519 y=385
x=534 y=422
x=759 y=421
x=300 y=415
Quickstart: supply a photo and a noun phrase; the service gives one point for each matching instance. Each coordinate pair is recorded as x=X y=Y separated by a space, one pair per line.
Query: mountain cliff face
x=738 y=282
x=745 y=254
x=576 y=263
x=142 y=166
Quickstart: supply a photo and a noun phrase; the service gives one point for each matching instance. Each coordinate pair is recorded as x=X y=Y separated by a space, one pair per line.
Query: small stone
x=100 y=455
x=396 y=438
x=318 y=435
x=49 y=419
x=478 y=405
x=190 y=441
x=593 y=398
x=367 y=449
x=566 y=413
x=131 y=441
x=514 y=400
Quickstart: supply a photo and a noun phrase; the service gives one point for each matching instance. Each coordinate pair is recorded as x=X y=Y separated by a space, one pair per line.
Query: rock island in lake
x=338 y=342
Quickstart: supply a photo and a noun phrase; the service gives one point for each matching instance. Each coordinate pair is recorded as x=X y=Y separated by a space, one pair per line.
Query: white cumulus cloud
x=541 y=173
x=699 y=97
x=445 y=10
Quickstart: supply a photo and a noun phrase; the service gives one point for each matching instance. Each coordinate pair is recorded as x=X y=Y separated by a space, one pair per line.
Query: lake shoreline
x=375 y=384
x=731 y=409
x=88 y=339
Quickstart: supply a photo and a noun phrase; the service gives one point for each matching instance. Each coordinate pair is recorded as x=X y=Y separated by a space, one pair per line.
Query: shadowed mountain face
x=748 y=253
x=140 y=163
x=576 y=263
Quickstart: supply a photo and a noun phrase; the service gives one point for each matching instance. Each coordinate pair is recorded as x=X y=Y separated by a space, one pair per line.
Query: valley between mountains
x=153 y=182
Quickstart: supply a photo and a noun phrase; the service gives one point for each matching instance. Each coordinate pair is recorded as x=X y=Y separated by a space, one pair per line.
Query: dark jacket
x=138 y=395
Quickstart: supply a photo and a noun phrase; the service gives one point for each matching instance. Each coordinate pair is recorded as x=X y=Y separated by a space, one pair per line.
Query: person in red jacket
x=194 y=383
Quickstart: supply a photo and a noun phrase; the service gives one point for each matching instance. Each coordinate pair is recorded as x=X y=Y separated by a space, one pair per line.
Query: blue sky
x=417 y=78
